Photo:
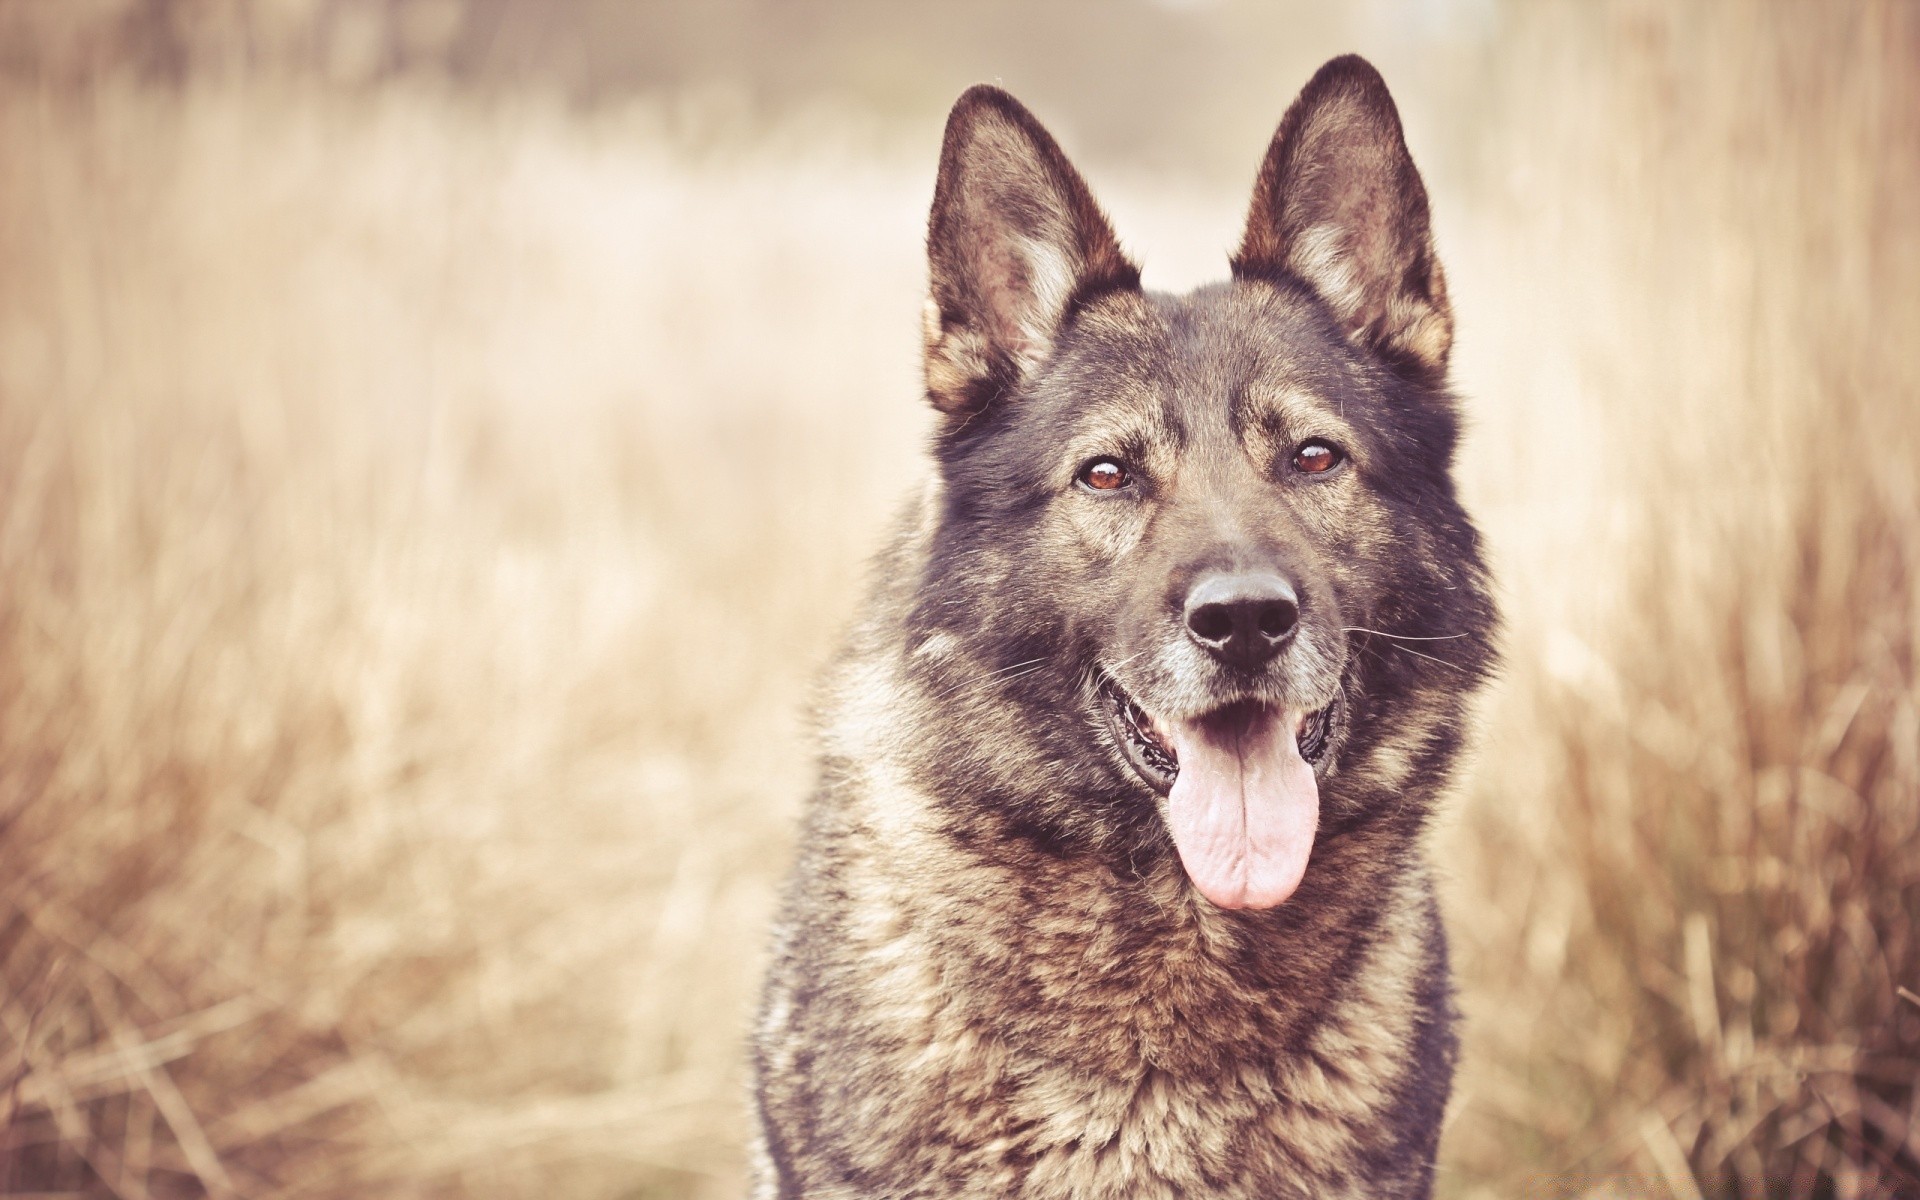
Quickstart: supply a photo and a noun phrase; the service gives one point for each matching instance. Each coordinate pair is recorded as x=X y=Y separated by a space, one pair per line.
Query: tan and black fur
x=992 y=976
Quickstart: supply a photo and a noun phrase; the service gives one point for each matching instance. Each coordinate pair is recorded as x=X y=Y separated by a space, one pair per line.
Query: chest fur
x=1060 y=1036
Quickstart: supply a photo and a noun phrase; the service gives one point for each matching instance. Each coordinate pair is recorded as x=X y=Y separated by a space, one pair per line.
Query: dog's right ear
x=1015 y=246
x=1339 y=206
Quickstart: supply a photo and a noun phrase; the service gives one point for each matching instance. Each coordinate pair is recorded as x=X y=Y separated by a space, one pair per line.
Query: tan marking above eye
x=1105 y=475
x=1317 y=456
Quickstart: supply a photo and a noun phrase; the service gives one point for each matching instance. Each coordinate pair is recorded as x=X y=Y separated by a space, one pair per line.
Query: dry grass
x=1689 y=868
x=419 y=521
x=407 y=592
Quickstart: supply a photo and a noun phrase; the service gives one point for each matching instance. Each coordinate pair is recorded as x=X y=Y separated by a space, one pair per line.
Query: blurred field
x=424 y=503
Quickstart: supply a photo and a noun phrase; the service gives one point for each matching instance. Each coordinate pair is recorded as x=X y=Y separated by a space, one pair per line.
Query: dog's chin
x=1148 y=749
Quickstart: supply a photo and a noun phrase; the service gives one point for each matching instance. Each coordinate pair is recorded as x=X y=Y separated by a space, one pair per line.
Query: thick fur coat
x=1176 y=549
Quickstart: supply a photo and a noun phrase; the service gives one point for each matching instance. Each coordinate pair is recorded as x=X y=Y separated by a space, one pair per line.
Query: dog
x=1114 y=882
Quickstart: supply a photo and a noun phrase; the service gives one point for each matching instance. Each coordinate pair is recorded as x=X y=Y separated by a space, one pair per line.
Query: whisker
x=1034 y=663
x=1430 y=658
x=1404 y=637
x=1123 y=662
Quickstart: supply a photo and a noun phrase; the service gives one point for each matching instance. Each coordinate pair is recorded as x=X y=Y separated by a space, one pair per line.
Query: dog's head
x=1194 y=554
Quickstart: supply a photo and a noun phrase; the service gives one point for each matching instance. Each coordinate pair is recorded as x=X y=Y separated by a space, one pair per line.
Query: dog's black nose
x=1242 y=619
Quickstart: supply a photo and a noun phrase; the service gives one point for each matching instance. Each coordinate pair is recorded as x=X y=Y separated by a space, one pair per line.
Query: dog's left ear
x=1015 y=246
x=1339 y=206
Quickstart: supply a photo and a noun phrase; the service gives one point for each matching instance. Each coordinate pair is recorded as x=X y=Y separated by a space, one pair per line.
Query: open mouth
x=1242 y=797
x=1150 y=750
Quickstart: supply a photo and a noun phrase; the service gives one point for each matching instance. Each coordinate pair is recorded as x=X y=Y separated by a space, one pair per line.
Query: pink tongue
x=1244 y=806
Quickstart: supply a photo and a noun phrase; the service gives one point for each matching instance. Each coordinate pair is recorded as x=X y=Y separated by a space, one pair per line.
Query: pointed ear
x=1016 y=245
x=1339 y=207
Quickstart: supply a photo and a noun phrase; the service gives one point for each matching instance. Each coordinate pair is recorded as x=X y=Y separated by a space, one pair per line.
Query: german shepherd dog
x=1114 y=883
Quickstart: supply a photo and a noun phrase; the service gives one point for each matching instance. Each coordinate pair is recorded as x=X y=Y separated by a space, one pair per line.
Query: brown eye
x=1316 y=457
x=1104 y=475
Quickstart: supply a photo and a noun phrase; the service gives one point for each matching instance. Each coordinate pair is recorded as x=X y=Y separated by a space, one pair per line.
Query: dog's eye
x=1317 y=457
x=1105 y=475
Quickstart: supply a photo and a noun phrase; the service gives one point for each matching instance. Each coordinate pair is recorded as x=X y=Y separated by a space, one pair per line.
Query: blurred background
x=440 y=439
